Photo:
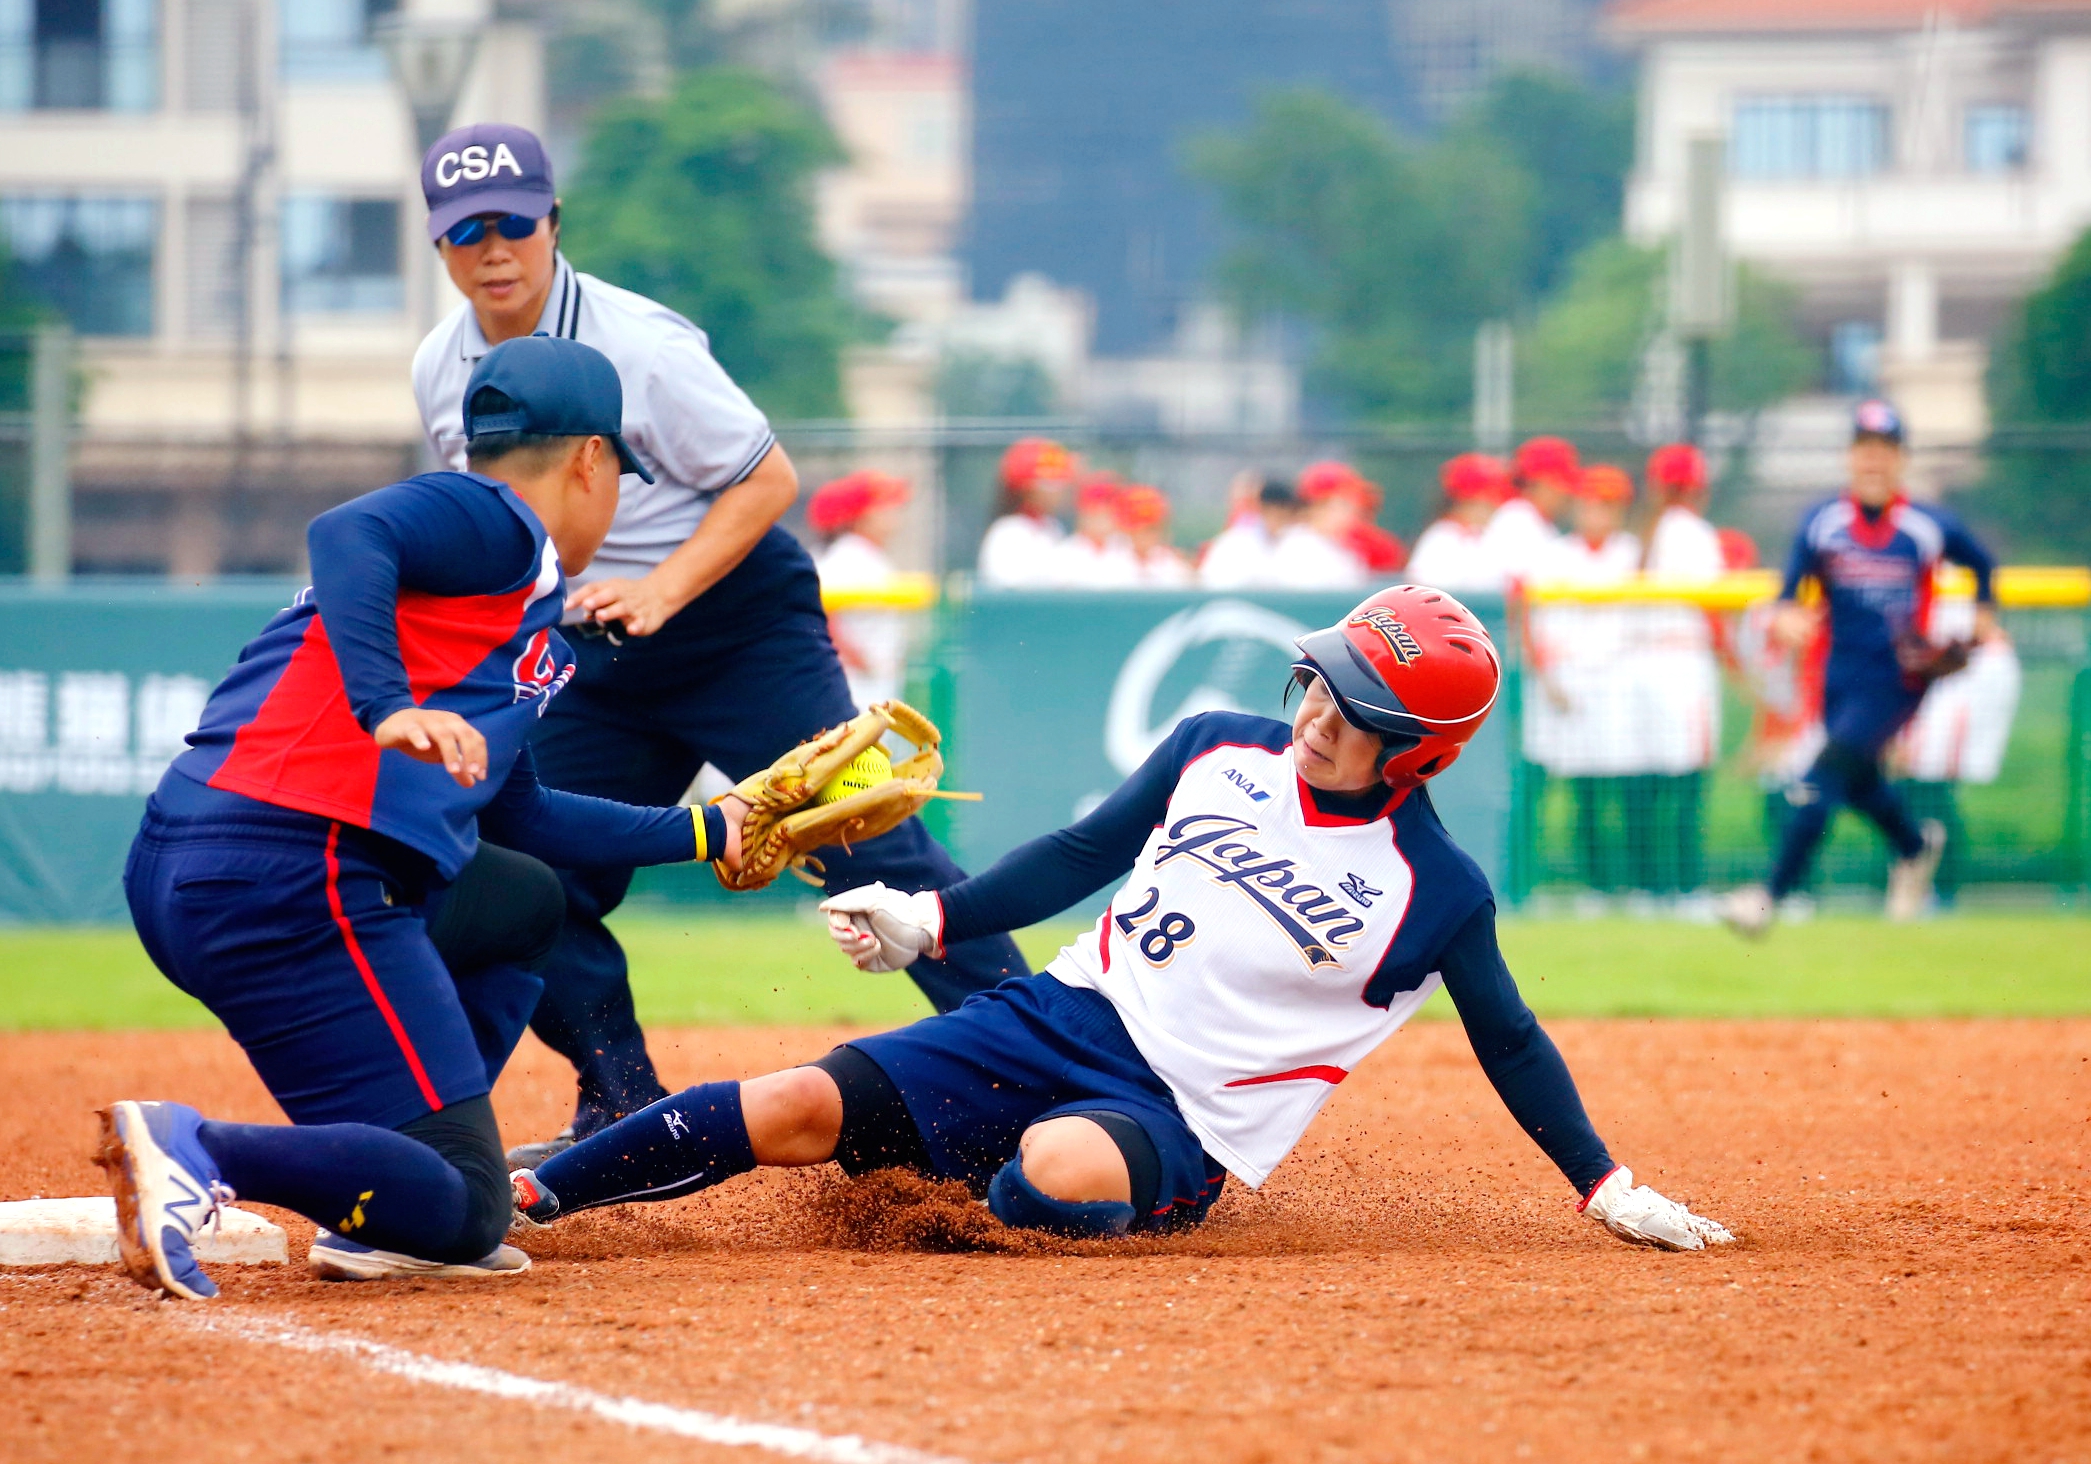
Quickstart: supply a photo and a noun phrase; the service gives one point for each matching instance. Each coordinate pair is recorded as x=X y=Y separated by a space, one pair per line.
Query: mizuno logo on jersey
x=1313 y=920
x=1392 y=631
x=1358 y=890
x=1241 y=781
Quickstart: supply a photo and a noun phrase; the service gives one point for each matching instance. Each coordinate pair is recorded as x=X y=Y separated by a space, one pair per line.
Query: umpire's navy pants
x=743 y=674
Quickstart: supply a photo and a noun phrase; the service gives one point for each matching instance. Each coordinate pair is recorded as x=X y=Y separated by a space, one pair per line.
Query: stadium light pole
x=430 y=57
x=1702 y=296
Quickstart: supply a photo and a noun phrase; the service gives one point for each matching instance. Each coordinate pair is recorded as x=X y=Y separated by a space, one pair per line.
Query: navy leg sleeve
x=686 y=1142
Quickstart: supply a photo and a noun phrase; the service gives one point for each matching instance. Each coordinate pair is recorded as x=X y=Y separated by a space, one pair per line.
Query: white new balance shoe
x=166 y=1186
x=1910 y=892
x=1749 y=911
x=336 y=1258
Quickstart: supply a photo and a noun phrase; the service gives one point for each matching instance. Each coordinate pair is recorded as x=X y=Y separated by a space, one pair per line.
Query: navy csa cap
x=1876 y=418
x=554 y=387
x=489 y=167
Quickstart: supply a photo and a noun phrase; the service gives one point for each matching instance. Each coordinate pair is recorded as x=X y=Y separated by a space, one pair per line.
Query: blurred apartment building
x=222 y=197
x=1913 y=166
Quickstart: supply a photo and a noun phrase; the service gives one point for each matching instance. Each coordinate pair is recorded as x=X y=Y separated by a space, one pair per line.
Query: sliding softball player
x=1286 y=898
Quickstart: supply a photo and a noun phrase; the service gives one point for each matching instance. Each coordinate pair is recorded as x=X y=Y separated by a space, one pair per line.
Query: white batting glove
x=1640 y=1216
x=881 y=929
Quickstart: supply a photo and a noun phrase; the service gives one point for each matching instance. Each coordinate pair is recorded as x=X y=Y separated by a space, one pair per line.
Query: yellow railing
x=2019 y=587
x=902 y=592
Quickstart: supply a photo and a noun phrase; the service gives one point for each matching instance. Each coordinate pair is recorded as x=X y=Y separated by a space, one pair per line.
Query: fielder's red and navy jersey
x=1876 y=573
x=289 y=727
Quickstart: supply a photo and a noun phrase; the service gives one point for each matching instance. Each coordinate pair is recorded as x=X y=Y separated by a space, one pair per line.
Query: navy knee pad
x=1018 y=1203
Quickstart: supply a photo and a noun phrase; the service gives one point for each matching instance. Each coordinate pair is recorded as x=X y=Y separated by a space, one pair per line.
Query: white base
x=83 y=1232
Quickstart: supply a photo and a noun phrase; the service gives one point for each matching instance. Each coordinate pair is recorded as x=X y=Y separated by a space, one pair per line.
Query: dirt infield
x=1913 y=1282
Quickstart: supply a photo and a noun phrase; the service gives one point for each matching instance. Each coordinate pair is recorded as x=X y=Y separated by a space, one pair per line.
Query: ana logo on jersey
x=475 y=165
x=1313 y=920
x=538 y=673
x=1241 y=781
x=1392 y=631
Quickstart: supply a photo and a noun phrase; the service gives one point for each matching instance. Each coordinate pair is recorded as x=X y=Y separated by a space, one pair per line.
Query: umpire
x=698 y=632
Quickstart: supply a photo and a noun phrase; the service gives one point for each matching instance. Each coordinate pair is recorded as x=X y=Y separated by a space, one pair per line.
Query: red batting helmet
x=1414 y=667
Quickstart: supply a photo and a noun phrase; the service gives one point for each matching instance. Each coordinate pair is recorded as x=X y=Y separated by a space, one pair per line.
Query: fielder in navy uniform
x=1874 y=554
x=296 y=860
x=1288 y=899
x=698 y=632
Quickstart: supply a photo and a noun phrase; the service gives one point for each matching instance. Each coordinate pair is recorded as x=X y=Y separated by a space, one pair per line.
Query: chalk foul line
x=467 y=1377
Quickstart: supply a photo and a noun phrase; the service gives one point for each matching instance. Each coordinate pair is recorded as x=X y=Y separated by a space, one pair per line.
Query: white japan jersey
x=684 y=417
x=1519 y=539
x=1452 y=557
x=1260 y=949
x=1020 y=552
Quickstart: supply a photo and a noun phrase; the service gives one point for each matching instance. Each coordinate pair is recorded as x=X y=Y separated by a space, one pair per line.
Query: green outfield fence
x=1047 y=700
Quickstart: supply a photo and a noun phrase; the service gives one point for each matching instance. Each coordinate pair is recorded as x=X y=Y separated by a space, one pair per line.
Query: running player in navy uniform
x=1874 y=554
x=1288 y=899
x=293 y=859
x=698 y=633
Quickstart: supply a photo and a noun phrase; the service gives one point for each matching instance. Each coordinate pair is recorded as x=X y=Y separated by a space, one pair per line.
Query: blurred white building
x=1914 y=166
x=223 y=197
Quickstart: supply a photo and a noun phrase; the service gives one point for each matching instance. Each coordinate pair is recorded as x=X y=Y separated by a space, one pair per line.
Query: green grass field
x=704 y=969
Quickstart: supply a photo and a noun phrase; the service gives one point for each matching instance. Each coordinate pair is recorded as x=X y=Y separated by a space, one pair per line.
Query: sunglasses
x=471 y=231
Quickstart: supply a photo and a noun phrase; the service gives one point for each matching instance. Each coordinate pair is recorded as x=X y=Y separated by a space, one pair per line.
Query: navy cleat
x=166 y=1186
x=336 y=1258
x=535 y=1206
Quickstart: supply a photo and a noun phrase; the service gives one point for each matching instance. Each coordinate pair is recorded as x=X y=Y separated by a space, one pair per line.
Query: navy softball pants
x=742 y=675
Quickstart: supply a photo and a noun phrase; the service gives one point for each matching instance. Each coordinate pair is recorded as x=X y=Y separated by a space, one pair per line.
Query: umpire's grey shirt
x=697 y=432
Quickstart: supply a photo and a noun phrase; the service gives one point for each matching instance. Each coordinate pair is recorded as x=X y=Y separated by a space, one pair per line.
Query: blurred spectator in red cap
x=1019 y=547
x=857 y=515
x=1681 y=543
x=1738 y=549
x=1453 y=553
x=1096 y=556
x=1244 y=555
x=1143 y=515
x=1381 y=552
x=1545 y=473
x=1315 y=552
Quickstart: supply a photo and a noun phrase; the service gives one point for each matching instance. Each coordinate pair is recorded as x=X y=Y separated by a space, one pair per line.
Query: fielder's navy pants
x=1861 y=713
x=743 y=674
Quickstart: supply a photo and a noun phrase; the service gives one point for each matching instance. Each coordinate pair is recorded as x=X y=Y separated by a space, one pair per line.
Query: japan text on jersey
x=1261 y=948
x=279 y=727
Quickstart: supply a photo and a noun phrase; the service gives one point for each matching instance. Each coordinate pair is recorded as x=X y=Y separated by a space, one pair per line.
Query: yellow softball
x=868 y=769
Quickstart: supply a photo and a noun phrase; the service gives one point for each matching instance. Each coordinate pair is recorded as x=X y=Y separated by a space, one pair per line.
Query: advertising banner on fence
x=98 y=687
x=1050 y=699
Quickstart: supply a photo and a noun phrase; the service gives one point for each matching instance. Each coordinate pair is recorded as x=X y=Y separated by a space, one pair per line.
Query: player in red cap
x=1143 y=517
x=1453 y=553
x=1674 y=662
x=1286 y=898
x=1337 y=482
x=856 y=517
x=1020 y=546
x=1547 y=472
x=1096 y=555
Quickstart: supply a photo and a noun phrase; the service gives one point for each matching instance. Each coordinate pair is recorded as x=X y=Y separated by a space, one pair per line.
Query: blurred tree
x=1575 y=145
x=2035 y=499
x=1581 y=358
x=976 y=384
x=1394 y=252
x=702 y=200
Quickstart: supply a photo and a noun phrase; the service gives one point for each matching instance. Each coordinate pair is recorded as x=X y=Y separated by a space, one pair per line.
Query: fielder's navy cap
x=489 y=167
x=553 y=386
x=1876 y=418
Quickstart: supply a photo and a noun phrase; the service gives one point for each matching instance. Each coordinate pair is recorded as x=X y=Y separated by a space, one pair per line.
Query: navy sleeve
x=1042 y=878
x=574 y=832
x=1800 y=563
x=441 y=534
x=1963 y=547
x=1519 y=1058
